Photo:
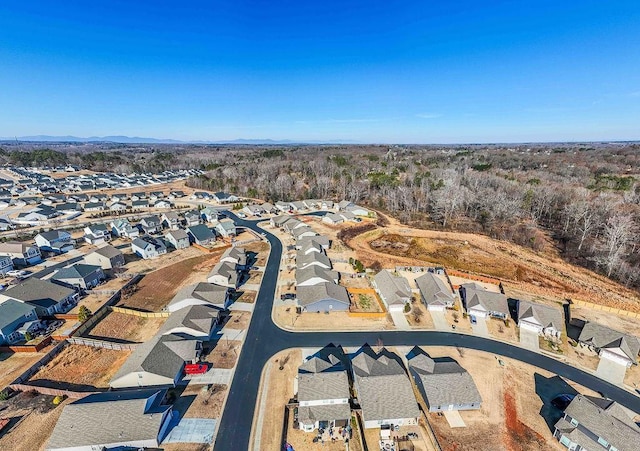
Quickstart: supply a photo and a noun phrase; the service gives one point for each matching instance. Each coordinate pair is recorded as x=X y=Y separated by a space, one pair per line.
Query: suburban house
x=93 y=206
x=46 y=297
x=22 y=254
x=443 y=383
x=253 y=210
x=310 y=247
x=482 y=303
x=541 y=319
x=134 y=419
x=320 y=240
x=178 y=239
x=237 y=256
x=312 y=259
x=162 y=204
x=97 y=234
x=148 y=247
x=201 y=235
x=610 y=344
x=209 y=214
x=6 y=264
x=314 y=275
x=323 y=297
x=193 y=321
x=157 y=362
x=383 y=389
x=107 y=257
x=200 y=294
x=57 y=241
x=192 y=218
x=122 y=228
x=226 y=228
x=323 y=391
x=591 y=423
x=80 y=276
x=14 y=315
x=302 y=232
x=224 y=198
x=357 y=210
x=224 y=274
x=332 y=219
x=394 y=290
x=117 y=206
x=140 y=204
x=171 y=220
x=151 y=224
x=435 y=292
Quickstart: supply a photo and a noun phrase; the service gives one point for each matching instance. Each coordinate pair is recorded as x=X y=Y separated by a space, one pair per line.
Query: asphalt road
x=264 y=339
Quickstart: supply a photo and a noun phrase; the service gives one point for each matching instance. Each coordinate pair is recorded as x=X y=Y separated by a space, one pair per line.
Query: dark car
x=286 y=296
x=562 y=401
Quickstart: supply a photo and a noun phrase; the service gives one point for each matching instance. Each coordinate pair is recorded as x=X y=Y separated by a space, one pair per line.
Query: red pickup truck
x=195 y=368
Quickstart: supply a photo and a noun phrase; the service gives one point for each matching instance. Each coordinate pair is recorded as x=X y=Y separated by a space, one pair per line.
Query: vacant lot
x=80 y=368
x=13 y=365
x=125 y=328
x=237 y=320
x=224 y=355
x=201 y=401
x=33 y=417
x=247 y=296
x=364 y=300
x=157 y=288
x=544 y=274
x=287 y=317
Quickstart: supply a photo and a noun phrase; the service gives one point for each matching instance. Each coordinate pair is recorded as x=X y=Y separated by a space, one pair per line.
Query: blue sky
x=395 y=71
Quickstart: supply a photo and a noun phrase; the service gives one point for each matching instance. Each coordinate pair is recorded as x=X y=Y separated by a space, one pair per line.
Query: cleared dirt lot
x=304 y=440
x=201 y=401
x=286 y=317
x=224 y=354
x=544 y=274
x=126 y=328
x=13 y=365
x=33 y=417
x=157 y=288
x=80 y=368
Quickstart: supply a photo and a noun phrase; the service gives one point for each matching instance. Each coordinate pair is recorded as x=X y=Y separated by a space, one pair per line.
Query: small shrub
x=4 y=395
x=407 y=307
x=58 y=399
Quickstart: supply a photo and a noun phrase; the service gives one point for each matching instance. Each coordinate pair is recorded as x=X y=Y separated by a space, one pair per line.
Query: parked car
x=195 y=368
x=473 y=320
x=17 y=273
x=286 y=296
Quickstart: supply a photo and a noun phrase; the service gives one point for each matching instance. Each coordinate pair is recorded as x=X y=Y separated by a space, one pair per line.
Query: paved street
x=264 y=339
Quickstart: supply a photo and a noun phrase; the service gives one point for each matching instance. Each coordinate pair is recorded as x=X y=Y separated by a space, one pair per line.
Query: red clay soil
x=517 y=435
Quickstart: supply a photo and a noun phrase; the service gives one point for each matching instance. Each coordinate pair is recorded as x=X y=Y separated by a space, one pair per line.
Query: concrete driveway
x=400 y=320
x=529 y=340
x=480 y=327
x=454 y=419
x=213 y=376
x=192 y=430
x=611 y=371
x=440 y=320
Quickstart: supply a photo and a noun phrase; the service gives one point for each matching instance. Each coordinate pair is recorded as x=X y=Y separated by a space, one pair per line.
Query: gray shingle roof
x=603 y=337
x=434 y=290
x=109 y=418
x=178 y=234
x=326 y=385
x=476 y=295
x=41 y=293
x=384 y=390
x=11 y=310
x=77 y=271
x=203 y=291
x=303 y=260
x=108 y=251
x=310 y=294
x=604 y=418
x=546 y=315
x=329 y=412
x=302 y=275
x=201 y=232
x=200 y=318
x=163 y=355
x=394 y=289
x=444 y=382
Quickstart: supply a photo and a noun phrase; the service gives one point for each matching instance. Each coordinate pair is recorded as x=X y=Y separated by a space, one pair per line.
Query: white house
x=541 y=319
x=610 y=344
x=58 y=241
x=483 y=303
x=394 y=291
x=6 y=264
x=97 y=234
x=435 y=293
x=148 y=247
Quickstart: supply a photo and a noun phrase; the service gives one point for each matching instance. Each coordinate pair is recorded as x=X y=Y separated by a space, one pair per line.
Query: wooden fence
x=132 y=312
x=27 y=348
x=604 y=308
x=466 y=275
x=40 y=363
x=102 y=344
x=50 y=391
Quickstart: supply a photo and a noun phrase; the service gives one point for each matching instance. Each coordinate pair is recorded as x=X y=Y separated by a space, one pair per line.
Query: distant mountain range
x=139 y=140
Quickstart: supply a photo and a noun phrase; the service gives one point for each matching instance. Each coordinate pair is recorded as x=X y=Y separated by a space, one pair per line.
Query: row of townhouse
x=381 y=385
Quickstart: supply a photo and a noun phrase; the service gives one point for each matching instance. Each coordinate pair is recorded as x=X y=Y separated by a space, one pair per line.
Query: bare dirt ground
x=286 y=317
x=498 y=329
x=513 y=397
x=117 y=326
x=224 y=355
x=419 y=317
x=201 y=401
x=238 y=320
x=543 y=274
x=279 y=391
x=247 y=296
x=80 y=368
x=364 y=300
x=304 y=440
x=621 y=323
x=33 y=417
x=355 y=282
x=157 y=288
x=94 y=301
x=13 y=365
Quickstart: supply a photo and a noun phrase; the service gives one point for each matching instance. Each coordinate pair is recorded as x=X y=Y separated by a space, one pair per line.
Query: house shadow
x=548 y=388
x=252 y=258
x=384 y=352
x=416 y=351
x=112 y=339
x=58 y=385
x=329 y=351
x=512 y=305
x=13 y=421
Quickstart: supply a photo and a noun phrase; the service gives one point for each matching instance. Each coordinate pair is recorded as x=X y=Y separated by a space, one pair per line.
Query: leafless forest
x=582 y=199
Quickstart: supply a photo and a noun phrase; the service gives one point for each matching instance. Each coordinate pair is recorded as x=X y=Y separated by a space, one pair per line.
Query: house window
x=574 y=422
x=565 y=441
x=603 y=442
